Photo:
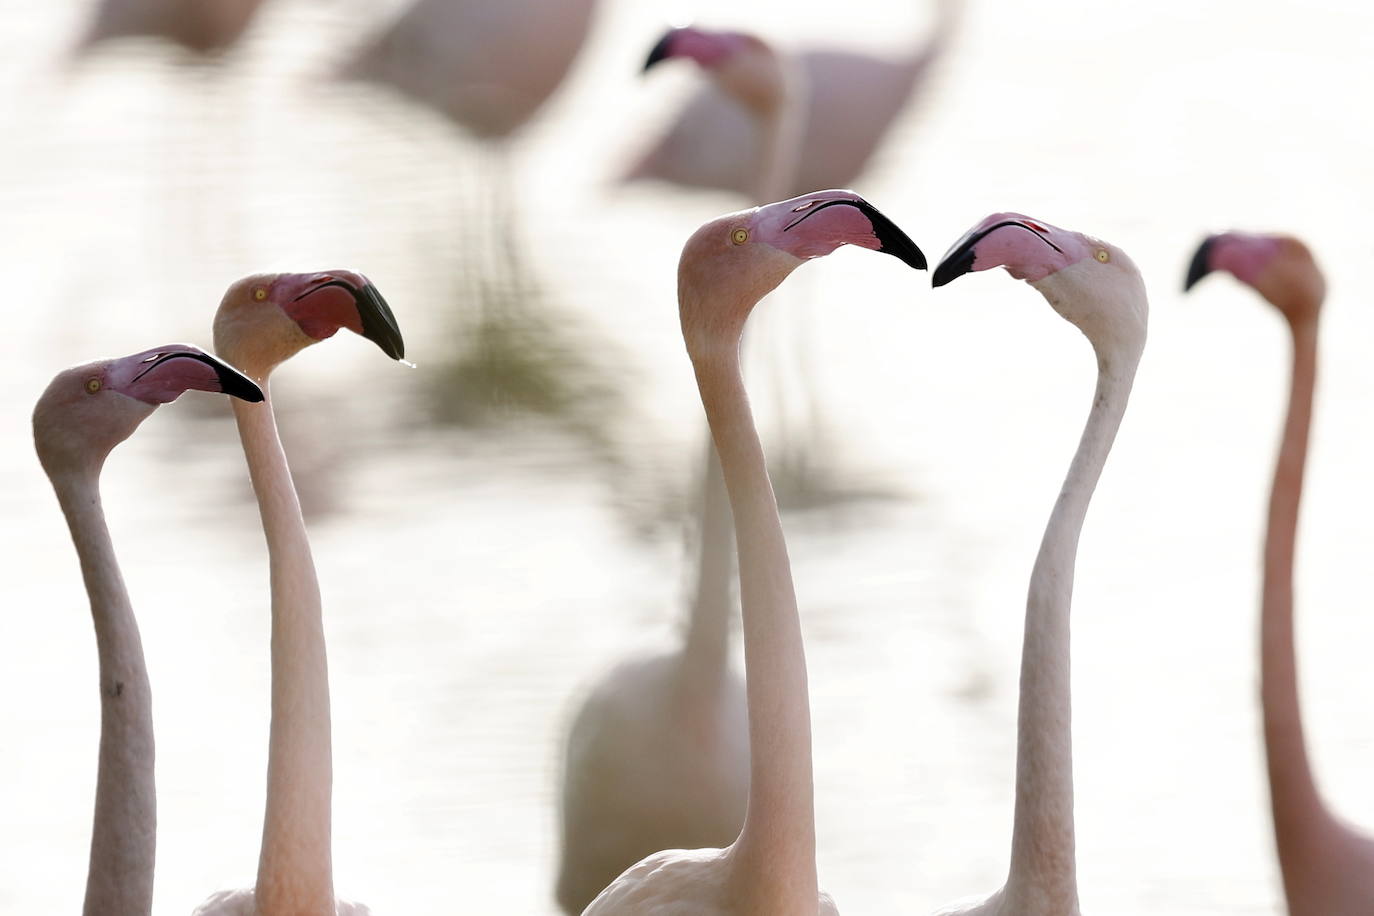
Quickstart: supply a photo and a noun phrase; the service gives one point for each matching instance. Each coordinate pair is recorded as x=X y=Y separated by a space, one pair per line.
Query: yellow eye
x=92 y=385
x=259 y=293
x=740 y=236
x=1103 y=256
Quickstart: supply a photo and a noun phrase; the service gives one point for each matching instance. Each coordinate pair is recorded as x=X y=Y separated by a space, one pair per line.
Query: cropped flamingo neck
x=707 y=650
x=1300 y=816
x=294 y=870
x=124 y=833
x=774 y=857
x=1043 y=845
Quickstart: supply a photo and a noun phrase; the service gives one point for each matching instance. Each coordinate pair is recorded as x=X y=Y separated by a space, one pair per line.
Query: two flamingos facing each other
x=1327 y=866
x=726 y=267
x=1097 y=288
x=264 y=320
x=84 y=413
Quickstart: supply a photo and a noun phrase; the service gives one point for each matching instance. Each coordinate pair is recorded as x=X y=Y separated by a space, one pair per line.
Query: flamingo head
x=1278 y=267
x=266 y=319
x=87 y=410
x=1091 y=283
x=733 y=261
x=745 y=66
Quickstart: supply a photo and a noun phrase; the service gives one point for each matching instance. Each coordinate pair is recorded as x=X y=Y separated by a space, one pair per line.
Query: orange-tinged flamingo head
x=1091 y=283
x=744 y=65
x=265 y=319
x=733 y=261
x=1279 y=267
x=89 y=409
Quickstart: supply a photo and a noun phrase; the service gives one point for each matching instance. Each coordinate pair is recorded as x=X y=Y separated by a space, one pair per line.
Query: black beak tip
x=235 y=384
x=379 y=324
x=955 y=265
x=659 y=52
x=1200 y=265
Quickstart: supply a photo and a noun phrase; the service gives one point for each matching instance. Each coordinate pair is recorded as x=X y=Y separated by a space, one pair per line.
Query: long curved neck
x=294 y=871
x=124 y=833
x=1299 y=812
x=774 y=856
x=707 y=649
x=1042 y=846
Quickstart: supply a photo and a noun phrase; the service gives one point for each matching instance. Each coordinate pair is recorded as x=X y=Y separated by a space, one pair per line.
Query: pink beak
x=324 y=302
x=162 y=375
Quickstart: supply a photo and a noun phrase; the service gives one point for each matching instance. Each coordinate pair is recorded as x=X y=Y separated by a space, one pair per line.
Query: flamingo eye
x=92 y=385
x=740 y=236
x=1103 y=256
x=259 y=293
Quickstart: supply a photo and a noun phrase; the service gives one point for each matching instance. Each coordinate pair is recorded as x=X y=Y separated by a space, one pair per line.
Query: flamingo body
x=203 y=26
x=655 y=759
x=487 y=66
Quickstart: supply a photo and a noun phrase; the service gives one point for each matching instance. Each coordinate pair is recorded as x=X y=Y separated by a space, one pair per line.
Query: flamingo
x=848 y=102
x=486 y=66
x=1095 y=286
x=203 y=26
x=84 y=413
x=766 y=84
x=726 y=267
x=264 y=320
x=658 y=753
x=1327 y=865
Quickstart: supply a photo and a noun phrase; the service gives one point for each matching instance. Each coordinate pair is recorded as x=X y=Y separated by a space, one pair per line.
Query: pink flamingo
x=1096 y=287
x=847 y=103
x=726 y=267
x=1327 y=866
x=264 y=320
x=204 y=26
x=769 y=86
x=658 y=754
x=84 y=413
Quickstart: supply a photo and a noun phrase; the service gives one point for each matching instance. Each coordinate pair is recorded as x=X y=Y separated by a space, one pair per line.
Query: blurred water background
x=480 y=566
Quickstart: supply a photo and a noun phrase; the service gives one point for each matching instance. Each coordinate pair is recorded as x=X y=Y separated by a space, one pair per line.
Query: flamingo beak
x=891 y=238
x=1201 y=264
x=377 y=321
x=661 y=51
x=162 y=387
x=961 y=257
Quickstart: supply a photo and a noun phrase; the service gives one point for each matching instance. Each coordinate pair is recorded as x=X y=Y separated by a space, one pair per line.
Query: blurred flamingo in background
x=204 y=26
x=727 y=266
x=264 y=320
x=658 y=754
x=848 y=102
x=1327 y=866
x=488 y=68
x=1096 y=287
x=84 y=413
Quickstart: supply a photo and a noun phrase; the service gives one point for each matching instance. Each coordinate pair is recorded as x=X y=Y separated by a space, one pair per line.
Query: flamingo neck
x=774 y=857
x=781 y=130
x=1042 y=847
x=1300 y=816
x=124 y=834
x=706 y=652
x=294 y=871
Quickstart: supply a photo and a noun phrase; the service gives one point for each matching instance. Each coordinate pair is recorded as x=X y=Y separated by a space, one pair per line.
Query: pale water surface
x=475 y=582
